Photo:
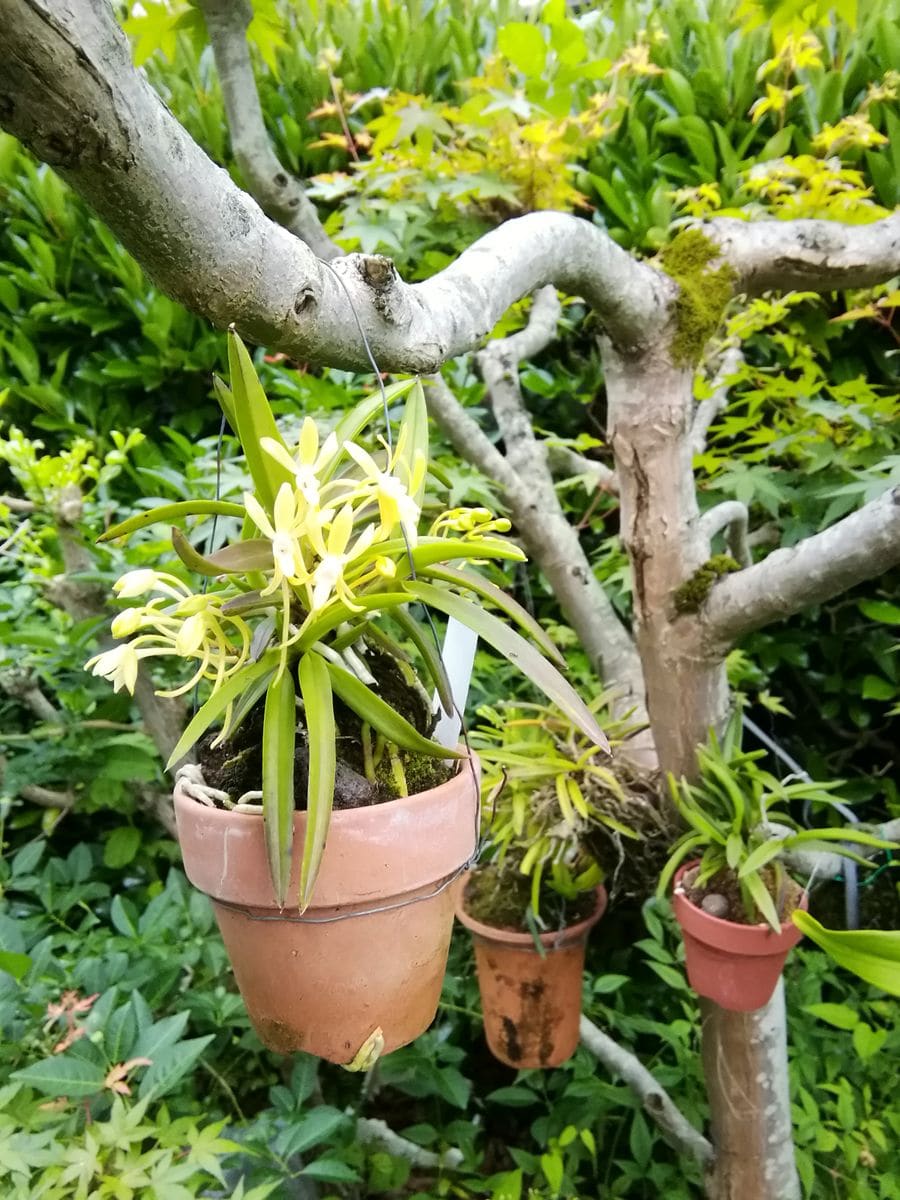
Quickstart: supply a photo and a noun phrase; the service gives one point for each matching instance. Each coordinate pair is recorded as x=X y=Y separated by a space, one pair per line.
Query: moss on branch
x=703 y=294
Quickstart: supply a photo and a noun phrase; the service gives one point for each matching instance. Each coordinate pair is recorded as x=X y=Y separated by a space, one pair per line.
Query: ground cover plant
x=417 y=131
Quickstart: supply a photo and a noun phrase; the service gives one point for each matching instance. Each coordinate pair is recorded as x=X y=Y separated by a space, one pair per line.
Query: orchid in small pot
x=531 y=906
x=324 y=820
x=736 y=899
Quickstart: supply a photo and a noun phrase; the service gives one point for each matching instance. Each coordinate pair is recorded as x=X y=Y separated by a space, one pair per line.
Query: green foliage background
x=637 y=115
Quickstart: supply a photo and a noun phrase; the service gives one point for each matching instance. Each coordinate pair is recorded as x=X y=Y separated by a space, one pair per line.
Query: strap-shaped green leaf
x=337 y=614
x=431 y=655
x=761 y=898
x=255 y=554
x=318 y=703
x=379 y=714
x=519 y=652
x=355 y=421
x=760 y=856
x=255 y=421
x=172 y=512
x=278 y=737
x=873 y=955
x=217 y=703
x=226 y=401
x=415 y=421
x=473 y=582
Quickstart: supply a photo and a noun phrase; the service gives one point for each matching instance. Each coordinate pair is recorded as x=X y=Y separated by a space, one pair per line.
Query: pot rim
x=551 y=940
x=396 y=849
x=343 y=816
x=719 y=931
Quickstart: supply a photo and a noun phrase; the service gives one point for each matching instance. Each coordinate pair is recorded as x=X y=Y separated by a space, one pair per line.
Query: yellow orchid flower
x=309 y=462
x=335 y=556
x=284 y=531
x=396 y=500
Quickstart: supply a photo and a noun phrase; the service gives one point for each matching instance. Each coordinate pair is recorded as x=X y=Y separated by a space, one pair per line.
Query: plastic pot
x=371 y=949
x=531 y=1004
x=737 y=966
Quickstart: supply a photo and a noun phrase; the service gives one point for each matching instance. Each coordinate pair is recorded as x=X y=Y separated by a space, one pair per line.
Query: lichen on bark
x=703 y=292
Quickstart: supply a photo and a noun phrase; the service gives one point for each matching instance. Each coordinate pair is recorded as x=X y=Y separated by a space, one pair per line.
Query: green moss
x=691 y=595
x=704 y=292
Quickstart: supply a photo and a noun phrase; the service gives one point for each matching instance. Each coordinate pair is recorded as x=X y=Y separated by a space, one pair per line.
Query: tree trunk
x=651 y=409
x=745 y=1065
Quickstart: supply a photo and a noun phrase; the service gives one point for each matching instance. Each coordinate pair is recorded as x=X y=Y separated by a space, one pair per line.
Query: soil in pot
x=235 y=766
x=733 y=962
x=531 y=998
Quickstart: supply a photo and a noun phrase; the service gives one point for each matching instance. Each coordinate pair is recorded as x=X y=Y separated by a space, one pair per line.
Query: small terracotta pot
x=531 y=1005
x=371 y=949
x=737 y=966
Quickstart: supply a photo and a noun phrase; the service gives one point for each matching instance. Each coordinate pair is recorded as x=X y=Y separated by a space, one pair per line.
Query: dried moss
x=704 y=292
x=691 y=595
x=500 y=897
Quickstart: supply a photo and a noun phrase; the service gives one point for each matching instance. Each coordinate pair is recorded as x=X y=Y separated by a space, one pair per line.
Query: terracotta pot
x=371 y=949
x=531 y=1005
x=737 y=966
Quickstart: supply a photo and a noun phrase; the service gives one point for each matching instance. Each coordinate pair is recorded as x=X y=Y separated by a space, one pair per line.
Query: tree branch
x=708 y=409
x=17 y=504
x=280 y=195
x=372 y=1132
x=821 y=256
x=555 y=547
x=46 y=797
x=565 y=462
x=71 y=94
x=861 y=546
x=732 y=516
x=675 y=1127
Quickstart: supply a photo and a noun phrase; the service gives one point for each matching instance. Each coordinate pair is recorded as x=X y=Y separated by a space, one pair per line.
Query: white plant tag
x=458 y=653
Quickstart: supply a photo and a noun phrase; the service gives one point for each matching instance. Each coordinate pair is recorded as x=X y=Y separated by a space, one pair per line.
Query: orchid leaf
x=219 y=701
x=255 y=421
x=336 y=614
x=519 y=652
x=253 y=555
x=318 y=704
x=225 y=398
x=172 y=512
x=415 y=420
x=379 y=714
x=473 y=582
x=359 y=417
x=278 y=737
x=431 y=656
x=762 y=899
x=872 y=954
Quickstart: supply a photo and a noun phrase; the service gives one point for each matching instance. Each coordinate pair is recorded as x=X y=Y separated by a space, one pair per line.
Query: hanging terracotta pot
x=370 y=951
x=531 y=1004
x=737 y=966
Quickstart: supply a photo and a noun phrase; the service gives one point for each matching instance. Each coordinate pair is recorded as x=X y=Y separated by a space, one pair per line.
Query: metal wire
x=851 y=871
x=252 y=915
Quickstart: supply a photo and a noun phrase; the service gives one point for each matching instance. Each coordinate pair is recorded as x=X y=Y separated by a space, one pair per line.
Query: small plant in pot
x=733 y=870
x=325 y=823
x=531 y=906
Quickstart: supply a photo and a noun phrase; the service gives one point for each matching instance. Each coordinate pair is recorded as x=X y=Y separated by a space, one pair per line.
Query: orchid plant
x=547 y=787
x=329 y=545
